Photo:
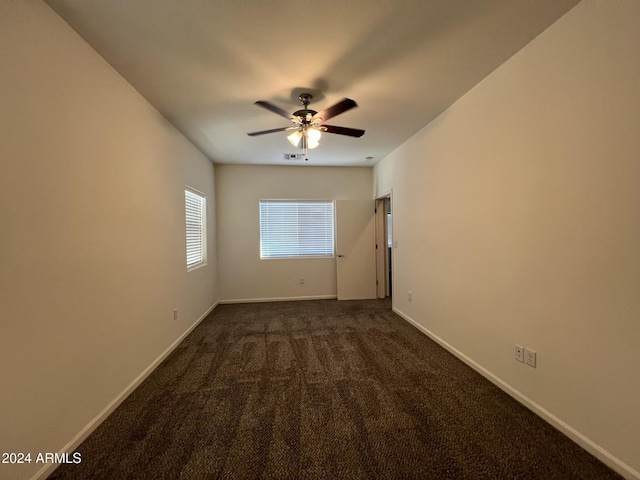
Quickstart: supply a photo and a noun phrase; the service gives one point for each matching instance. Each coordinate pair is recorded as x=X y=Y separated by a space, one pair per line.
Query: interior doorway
x=384 y=245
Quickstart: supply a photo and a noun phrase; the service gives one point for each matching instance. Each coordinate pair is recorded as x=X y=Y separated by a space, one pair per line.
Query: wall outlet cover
x=519 y=349
x=530 y=357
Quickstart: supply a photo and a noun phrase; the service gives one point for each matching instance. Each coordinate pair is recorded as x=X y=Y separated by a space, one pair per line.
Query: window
x=290 y=229
x=195 y=216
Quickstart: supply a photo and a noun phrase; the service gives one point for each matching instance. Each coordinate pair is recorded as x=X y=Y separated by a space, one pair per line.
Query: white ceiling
x=203 y=63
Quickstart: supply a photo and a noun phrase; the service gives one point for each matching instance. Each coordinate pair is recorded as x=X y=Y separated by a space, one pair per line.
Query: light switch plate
x=530 y=357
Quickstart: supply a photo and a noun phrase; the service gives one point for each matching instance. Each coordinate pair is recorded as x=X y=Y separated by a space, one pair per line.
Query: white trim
x=102 y=416
x=386 y=194
x=389 y=194
x=589 y=445
x=277 y=299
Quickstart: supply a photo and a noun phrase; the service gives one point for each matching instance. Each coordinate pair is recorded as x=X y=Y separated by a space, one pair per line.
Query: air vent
x=293 y=156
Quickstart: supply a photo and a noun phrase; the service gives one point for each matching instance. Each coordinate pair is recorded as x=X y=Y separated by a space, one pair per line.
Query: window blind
x=296 y=229
x=196 y=231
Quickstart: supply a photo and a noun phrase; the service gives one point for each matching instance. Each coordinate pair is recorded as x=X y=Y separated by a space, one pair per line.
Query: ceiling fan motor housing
x=305 y=115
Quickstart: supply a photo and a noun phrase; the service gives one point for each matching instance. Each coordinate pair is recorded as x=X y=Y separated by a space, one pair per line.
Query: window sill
x=196 y=267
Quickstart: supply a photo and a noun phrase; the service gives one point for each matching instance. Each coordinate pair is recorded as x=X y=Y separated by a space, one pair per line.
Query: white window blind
x=296 y=229
x=195 y=215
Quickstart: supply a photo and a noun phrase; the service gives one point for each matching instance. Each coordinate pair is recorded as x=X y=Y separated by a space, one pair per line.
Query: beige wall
x=241 y=272
x=92 y=243
x=517 y=219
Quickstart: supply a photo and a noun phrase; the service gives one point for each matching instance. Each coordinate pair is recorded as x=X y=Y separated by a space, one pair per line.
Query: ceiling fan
x=309 y=123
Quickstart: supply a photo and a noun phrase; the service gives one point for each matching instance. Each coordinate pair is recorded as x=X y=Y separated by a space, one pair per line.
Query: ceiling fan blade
x=273 y=130
x=351 y=132
x=272 y=108
x=340 y=107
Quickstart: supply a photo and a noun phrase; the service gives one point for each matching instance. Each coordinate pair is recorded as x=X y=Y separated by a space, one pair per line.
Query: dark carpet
x=322 y=390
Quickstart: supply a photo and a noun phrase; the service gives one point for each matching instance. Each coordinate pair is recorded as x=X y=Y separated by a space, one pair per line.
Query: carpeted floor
x=322 y=390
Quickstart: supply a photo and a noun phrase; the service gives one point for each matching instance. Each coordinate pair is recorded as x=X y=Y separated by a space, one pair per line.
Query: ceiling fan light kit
x=309 y=123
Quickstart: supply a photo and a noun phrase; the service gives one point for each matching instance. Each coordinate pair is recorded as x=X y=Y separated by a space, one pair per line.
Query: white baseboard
x=278 y=299
x=590 y=446
x=102 y=416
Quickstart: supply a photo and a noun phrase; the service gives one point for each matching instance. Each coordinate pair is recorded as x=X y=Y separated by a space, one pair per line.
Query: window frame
x=202 y=221
x=297 y=256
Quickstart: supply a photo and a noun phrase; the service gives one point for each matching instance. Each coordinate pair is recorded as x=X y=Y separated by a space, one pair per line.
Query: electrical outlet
x=175 y=313
x=520 y=353
x=530 y=357
x=301 y=280
x=409 y=295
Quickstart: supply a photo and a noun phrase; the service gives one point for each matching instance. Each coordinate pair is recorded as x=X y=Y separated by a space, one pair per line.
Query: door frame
x=383 y=263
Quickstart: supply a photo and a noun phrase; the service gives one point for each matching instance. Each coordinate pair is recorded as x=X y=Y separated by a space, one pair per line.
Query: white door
x=355 y=249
